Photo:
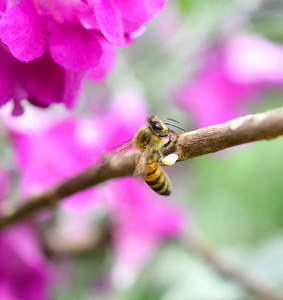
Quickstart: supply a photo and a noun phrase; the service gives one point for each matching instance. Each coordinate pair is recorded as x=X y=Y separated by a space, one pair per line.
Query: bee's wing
x=142 y=164
x=116 y=151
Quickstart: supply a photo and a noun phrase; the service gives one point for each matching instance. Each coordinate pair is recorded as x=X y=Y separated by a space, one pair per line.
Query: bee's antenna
x=173 y=125
x=172 y=120
x=171 y=130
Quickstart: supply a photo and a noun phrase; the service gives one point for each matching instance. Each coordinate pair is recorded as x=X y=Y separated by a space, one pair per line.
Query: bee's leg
x=159 y=157
x=171 y=139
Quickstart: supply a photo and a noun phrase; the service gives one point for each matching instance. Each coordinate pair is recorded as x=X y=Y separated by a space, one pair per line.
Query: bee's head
x=157 y=126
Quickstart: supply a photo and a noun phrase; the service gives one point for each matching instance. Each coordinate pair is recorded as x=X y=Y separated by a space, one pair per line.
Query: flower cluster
x=59 y=148
x=48 y=47
x=23 y=268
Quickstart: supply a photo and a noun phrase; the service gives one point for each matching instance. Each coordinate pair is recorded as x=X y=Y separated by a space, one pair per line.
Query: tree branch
x=231 y=269
x=187 y=145
x=263 y=126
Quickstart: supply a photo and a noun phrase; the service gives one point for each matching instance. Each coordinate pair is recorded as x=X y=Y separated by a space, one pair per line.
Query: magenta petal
x=139 y=11
x=3 y=5
x=245 y=63
x=18 y=110
x=62 y=85
x=110 y=22
x=73 y=47
x=7 y=75
x=43 y=92
x=72 y=87
x=10 y=85
x=106 y=62
x=24 y=270
x=24 y=31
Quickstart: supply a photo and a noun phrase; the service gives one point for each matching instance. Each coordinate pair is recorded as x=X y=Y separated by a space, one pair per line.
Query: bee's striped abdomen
x=157 y=179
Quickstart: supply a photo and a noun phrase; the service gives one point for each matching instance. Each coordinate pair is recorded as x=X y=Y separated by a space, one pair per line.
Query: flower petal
x=245 y=63
x=73 y=47
x=23 y=267
x=24 y=31
x=62 y=85
x=34 y=76
x=7 y=75
x=110 y=22
x=139 y=11
x=106 y=62
x=3 y=5
x=72 y=87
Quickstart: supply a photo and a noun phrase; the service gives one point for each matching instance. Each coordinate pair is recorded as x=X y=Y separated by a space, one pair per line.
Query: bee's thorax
x=145 y=135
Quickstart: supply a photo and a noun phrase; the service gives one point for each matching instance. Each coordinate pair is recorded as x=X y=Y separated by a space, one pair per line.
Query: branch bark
x=250 y=128
x=263 y=126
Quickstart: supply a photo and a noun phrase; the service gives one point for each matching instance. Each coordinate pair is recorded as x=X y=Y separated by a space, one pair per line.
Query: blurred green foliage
x=240 y=193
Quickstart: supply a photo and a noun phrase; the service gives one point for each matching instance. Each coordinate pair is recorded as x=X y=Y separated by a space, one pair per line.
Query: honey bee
x=150 y=140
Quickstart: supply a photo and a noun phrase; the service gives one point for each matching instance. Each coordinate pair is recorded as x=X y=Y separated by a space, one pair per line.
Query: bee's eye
x=156 y=126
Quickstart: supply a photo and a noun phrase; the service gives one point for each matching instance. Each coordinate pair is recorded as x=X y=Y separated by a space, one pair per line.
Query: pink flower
x=52 y=153
x=42 y=82
x=142 y=218
x=233 y=75
x=142 y=221
x=68 y=38
x=252 y=59
x=23 y=269
x=73 y=142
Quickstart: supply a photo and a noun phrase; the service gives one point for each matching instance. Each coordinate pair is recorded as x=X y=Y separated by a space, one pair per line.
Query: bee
x=150 y=140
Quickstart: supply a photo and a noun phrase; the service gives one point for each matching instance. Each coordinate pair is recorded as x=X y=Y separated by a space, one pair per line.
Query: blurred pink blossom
x=60 y=147
x=234 y=73
x=69 y=38
x=23 y=269
x=142 y=221
x=52 y=152
x=252 y=59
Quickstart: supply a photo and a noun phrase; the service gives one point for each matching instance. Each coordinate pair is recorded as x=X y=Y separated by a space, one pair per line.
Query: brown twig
x=207 y=140
x=263 y=126
x=231 y=269
x=122 y=166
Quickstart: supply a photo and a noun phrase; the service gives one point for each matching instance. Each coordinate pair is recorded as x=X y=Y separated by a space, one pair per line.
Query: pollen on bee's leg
x=170 y=159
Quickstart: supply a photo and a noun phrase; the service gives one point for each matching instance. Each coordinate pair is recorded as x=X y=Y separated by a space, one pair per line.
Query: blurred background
x=201 y=63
